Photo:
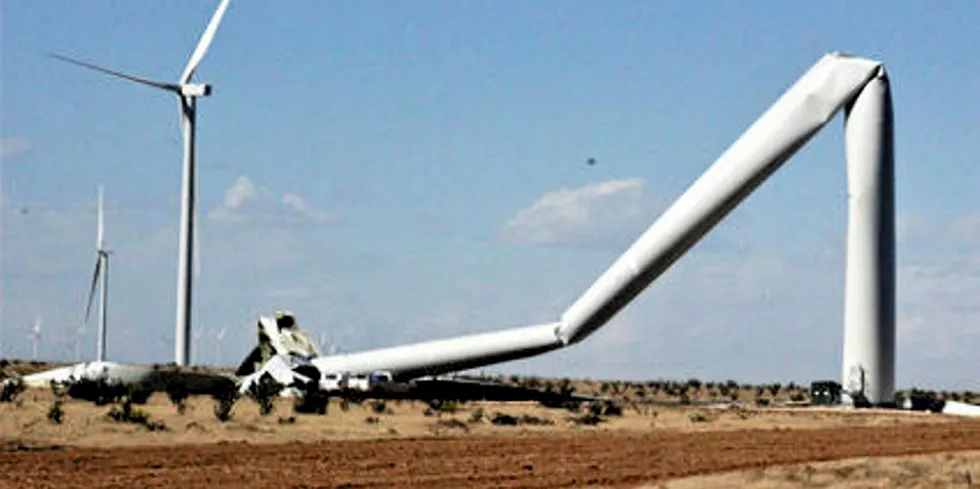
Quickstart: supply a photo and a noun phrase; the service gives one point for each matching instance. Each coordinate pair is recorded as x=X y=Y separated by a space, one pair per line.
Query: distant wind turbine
x=187 y=94
x=198 y=333
x=218 y=338
x=34 y=334
x=99 y=276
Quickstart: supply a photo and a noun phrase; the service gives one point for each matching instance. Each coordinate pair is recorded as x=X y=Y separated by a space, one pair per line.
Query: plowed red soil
x=604 y=459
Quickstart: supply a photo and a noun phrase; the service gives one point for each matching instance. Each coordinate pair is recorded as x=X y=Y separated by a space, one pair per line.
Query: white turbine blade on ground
x=95 y=282
x=145 y=81
x=204 y=43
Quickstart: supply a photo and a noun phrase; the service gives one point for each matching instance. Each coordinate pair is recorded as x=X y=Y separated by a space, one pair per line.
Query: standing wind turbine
x=101 y=275
x=187 y=94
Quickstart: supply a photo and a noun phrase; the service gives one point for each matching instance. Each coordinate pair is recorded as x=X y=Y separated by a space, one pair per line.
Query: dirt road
x=605 y=459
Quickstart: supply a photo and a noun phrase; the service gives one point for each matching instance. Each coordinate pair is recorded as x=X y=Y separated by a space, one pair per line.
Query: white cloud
x=596 y=214
x=245 y=201
x=10 y=147
x=298 y=204
x=240 y=192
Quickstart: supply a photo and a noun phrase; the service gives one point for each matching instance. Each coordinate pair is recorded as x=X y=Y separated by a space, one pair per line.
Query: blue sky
x=397 y=171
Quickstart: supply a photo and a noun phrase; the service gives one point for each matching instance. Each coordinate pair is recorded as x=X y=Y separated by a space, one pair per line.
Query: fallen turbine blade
x=137 y=79
x=204 y=43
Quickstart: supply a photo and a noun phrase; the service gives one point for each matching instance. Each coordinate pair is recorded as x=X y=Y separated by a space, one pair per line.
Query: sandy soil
x=401 y=447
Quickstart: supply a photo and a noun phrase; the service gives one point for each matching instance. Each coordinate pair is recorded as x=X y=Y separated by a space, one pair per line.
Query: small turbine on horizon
x=34 y=334
x=218 y=338
x=99 y=277
x=187 y=94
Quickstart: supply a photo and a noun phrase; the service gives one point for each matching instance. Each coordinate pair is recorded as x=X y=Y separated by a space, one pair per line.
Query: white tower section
x=869 y=301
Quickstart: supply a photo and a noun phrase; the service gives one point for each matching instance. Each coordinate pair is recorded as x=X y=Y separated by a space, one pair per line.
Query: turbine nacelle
x=195 y=90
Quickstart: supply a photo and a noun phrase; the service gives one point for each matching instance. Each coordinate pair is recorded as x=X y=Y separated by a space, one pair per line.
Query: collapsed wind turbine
x=99 y=276
x=187 y=94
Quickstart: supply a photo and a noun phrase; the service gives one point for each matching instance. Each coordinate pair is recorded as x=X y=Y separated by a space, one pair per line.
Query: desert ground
x=407 y=444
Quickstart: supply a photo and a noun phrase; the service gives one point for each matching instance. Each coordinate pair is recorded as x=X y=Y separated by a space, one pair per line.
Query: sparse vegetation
x=124 y=412
x=587 y=419
x=224 y=403
x=264 y=392
x=379 y=407
x=56 y=413
x=312 y=401
x=700 y=417
x=177 y=393
x=10 y=388
x=477 y=416
x=452 y=423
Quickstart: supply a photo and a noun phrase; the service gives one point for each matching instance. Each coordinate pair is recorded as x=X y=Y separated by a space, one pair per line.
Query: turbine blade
x=145 y=81
x=204 y=43
x=95 y=282
x=100 y=240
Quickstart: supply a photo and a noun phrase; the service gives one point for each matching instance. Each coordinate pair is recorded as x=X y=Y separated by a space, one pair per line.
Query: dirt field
x=953 y=470
x=534 y=460
x=401 y=447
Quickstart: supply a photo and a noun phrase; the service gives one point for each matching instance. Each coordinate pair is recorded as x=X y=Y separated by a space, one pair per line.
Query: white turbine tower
x=100 y=277
x=187 y=94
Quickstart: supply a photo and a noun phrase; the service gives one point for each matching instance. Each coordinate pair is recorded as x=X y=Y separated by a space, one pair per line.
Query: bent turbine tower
x=837 y=81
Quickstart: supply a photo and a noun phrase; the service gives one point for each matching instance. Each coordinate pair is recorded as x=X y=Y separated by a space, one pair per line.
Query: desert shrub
x=528 y=419
x=224 y=403
x=372 y=420
x=124 y=412
x=612 y=409
x=588 y=419
x=264 y=392
x=448 y=407
x=100 y=391
x=56 y=414
x=379 y=407
x=477 y=416
x=177 y=393
x=312 y=401
x=452 y=423
x=501 y=419
x=699 y=417
x=10 y=388
x=139 y=393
